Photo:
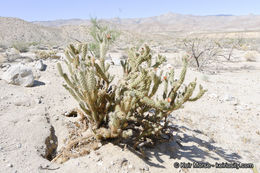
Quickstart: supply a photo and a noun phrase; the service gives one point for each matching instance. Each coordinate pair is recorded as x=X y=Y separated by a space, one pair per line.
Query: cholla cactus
x=129 y=110
x=103 y=37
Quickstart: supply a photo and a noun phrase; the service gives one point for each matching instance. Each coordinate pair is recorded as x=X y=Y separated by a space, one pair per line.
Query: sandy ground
x=223 y=126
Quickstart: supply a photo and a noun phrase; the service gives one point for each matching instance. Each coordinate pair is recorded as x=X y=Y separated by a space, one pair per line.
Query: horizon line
x=195 y=15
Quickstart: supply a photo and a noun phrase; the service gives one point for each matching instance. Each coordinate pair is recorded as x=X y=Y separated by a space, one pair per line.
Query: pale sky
x=32 y=10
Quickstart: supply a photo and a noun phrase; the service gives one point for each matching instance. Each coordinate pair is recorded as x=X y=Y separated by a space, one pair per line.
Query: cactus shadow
x=189 y=147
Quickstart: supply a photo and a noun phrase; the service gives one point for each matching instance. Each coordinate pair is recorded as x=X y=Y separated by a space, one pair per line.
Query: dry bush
x=203 y=51
x=228 y=45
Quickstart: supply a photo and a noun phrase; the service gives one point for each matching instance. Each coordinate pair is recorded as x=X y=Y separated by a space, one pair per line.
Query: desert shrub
x=47 y=54
x=250 y=56
x=21 y=46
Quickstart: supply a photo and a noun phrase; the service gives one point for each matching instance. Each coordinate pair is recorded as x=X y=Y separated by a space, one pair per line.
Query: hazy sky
x=65 y=9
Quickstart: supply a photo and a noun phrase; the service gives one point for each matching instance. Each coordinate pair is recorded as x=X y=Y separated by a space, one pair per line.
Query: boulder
x=19 y=75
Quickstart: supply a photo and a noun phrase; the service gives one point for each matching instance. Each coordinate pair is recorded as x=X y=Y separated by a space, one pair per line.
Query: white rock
x=19 y=75
x=39 y=65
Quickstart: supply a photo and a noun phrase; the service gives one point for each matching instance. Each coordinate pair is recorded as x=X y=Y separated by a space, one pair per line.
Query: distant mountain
x=221 y=15
x=174 y=22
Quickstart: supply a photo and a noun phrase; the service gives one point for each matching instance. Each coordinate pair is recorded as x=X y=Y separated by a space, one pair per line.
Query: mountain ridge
x=65 y=30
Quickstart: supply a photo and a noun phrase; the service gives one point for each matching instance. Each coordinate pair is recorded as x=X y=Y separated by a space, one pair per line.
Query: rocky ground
x=223 y=126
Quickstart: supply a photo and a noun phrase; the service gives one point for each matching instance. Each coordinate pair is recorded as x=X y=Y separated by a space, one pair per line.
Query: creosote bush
x=133 y=111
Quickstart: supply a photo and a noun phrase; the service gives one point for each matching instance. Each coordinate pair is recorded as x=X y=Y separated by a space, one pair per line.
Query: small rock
x=19 y=75
x=39 y=100
x=10 y=165
x=19 y=145
x=40 y=66
x=112 y=162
